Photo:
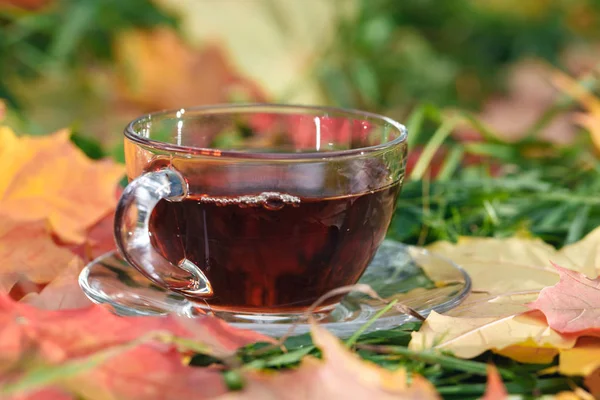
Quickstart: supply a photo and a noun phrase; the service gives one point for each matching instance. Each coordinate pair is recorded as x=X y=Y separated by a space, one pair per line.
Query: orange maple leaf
x=27 y=252
x=50 y=178
x=592 y=381
x=572 y=305
x=62 y=292
x=158 y=70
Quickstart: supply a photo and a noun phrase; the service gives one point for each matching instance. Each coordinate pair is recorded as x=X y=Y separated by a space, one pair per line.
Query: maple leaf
x=589 y=120
x=44 y=177
x=45 y=394
x=530 y=94
x=26 y=4
x=583 y=359
x=135 y=370
x=158 y=70
x=27 y=252
x=340 y=374
x=524 y=337
x=99 y=239
x=592 y=382
x=94 y=353
x=63 y=292
x=573 y=304
x=495 y=389
x=508 y=273
x=62 y=334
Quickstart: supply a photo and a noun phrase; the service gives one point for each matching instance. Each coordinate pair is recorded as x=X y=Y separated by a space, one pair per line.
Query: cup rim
x=131 y=134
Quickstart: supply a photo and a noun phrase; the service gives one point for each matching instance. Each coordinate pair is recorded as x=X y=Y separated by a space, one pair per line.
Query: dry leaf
x=525 y=337
x=115 y=356
x=592 y=382
x=583 y=359
x=55 y=336
x=341 y=375
x=281 y=53
x=28 y=253
x=495 y=389
x=530 y=94
x=577 y=394
x=43 y=178
x=158 y=70
x=99 y=239
x=146 y=373
x=572 y=305
x=590 y=120
x=44 y=394
x=26 y=4
x=482 y=305
x=508 y=273
x=62 y=293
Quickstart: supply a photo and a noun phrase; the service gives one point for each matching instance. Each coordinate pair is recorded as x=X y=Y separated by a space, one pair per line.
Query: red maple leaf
x=572 y=305
x=132 y=366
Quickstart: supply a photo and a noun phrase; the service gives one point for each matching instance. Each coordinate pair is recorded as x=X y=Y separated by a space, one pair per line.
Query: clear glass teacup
x=258 y=210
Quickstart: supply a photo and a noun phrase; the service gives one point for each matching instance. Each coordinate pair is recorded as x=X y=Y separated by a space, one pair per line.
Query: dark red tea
x=274 y=256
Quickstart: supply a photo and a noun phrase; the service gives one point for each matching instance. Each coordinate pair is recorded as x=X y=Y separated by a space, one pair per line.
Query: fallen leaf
x=592 y=382
x=27 y=252
x=530 y=93
x=583 y=359
x=577 y=394
x=99 y=239
x=525 y=337
x=140 y=369
x=583 y=256
x=340 y=374
x=55 y=336
x=26 y=4
x=508 y=273
x=95 y=353
x=589 y=120
x=45 y=394
x=63 y=292
x=147 y=373
x=572 y=305
x=495 y=306
x=292 y=41
x=44 y=177
x=495 y=389
x=158 y=70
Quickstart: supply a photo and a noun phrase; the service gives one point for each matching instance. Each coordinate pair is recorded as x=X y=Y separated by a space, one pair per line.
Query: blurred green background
x=95 y=64
x=496 y=145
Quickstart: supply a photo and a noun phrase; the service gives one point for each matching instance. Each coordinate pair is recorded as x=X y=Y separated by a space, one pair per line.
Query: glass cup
x=255 y=211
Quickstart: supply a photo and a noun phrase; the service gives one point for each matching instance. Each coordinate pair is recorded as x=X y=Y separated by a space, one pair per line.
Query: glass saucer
x=412 y=275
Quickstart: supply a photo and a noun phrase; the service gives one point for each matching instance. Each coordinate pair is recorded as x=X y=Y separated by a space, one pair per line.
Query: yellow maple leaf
x=49 y=178
x=525 y=337
x=509 y=273
x=583 y=359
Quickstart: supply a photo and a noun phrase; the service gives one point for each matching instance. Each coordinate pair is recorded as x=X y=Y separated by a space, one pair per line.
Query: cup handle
x=132 y=233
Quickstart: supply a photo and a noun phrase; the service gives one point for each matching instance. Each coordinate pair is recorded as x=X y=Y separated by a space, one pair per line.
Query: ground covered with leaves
x=530 y=327
x=509 y=192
